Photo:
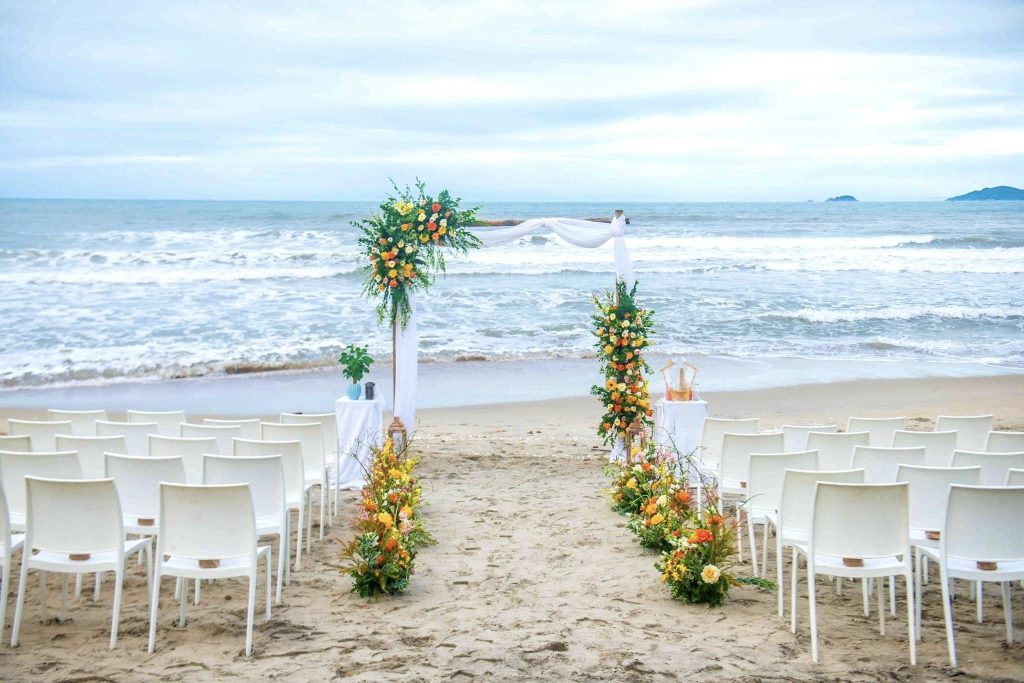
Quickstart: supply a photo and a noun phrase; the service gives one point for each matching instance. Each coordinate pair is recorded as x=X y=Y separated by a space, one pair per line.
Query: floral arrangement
x=388 y=528
x=404 y=243
x=696 y=566
x=664 y=516
x=623 y=331
x=634 y=484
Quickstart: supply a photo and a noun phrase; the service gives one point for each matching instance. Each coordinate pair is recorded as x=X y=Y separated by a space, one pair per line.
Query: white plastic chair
x=1005 y=442
x=265 y=476
x=835 y=450
x=994 y=466
x=1015 y=477
x=138 y=487
x=296 y=490
x=880 y=463
x=795 y=436
x=83 y=422
x=224 y=434
x=971 y=430
x=74 y=527
x=709 y=456
x=14 y=467
x=91 y=450
x=42 y=432
x=764 y=490
x=734 y=470
x=881 y=429
x=16 y=444
x=8 y=544
x=136 y=434
x=969 y=537
x=208 y=532
x=939 y=446
x=865 y=522
x=191 y=451
x=311 y=438
x=250 y=429
x=167 y=421
x=329 y=429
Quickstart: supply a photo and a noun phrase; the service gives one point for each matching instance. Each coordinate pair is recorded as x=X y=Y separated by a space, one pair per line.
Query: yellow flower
x=710 y=573
x=610 y=385
x=631 y=484
x=658 y=519
x=608 y=348
x=392 y=273
x=386 y=519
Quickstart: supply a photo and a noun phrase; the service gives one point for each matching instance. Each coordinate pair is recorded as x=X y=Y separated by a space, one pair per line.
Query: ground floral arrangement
x=623 y=331
x=389 y=530
x=696 y=549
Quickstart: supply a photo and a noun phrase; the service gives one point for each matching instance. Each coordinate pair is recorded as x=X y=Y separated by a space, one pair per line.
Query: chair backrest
x=880 y=463
x=309 y=435
x=264 y=474
x=938 y=446
x=795 y=436
x=1005 y=442
x=138 y=482
x=767 y=471
x=861 y=520
x=328 y=423
x=714 y=430
x=73 y=516
x=994 y=466
x=835 y=450
x=191 y=451
x=136 y=435
x=879 y=428
x=5 y=523
x=291 y=461
x=167 y=421
x=83 y=422
x=21 y=443
x=250 y=429
x=971 y=430
x=91 y=450
x=929 y=491
x=736 y=450
x=1015 y=477
x=43 y=433
x=223 y=433
x=796 y=504
x=14 y=467
x=206 y=522
x=978 y=523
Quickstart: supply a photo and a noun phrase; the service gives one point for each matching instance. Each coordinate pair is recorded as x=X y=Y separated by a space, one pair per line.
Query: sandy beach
x=535 y=578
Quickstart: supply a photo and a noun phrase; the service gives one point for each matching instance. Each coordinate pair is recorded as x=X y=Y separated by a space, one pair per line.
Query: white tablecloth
x=678 y=424
x=360 y=425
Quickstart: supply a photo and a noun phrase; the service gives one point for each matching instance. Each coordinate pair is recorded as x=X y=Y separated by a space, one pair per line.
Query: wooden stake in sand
x=396 y=430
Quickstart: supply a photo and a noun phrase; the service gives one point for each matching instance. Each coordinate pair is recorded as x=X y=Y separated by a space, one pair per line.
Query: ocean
x=112 y=291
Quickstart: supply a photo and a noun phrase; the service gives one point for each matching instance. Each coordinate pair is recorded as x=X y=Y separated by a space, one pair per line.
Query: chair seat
x=760 y=515
x=918 y=539
x=960 y=568
x=873 y=566
x=229 y=566
x=269 y=524
x=60 y=562
x=797 y=537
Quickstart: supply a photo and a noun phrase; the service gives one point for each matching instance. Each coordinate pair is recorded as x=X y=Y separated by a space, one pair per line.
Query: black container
x=369 y=391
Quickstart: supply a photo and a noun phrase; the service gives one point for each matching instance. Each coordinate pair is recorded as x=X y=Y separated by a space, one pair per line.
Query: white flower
x=710 y=573
x=662 y=501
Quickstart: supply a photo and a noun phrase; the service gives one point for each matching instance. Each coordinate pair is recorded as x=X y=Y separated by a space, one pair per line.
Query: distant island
x=842 y=198
x=1001 y=193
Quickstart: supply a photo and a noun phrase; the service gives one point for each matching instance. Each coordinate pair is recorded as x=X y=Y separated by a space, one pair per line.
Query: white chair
x=20 y=444
x=8 y=544
x=250 y=428
x=83 y=422
x=1005 y=442
x=734 y=471
x=880 y=463
x=994 y=466
x=224 y=434
x=265 y=476
x=136 y=435
x=939 y=446
x=792 y=520
x=14 y=467
x=43 y=433
x=167 y=421
x=880 y=428
x=207 y=532
x=138 y=488
x=764 y=489
x=971 y=430
x=311 y=438
x=296 y=490
x=191 y=451
x=91 y=451
x=858 y=531
x=709 y=456
x=329 y=429
x=970 y=541
x=835 y=450
x=74 y=527
x=795 y=436
x=1015 y=477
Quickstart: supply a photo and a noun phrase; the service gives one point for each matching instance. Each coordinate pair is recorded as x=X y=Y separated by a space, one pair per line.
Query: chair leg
x=298 y=536
x=183 y=603
x=739 y=533
x=269 y=563
x=864 y=595
x=118 y=588
x=792 y=593
x=764 y=552
x=947 y=611
x=892 y=595
x=911 y=621
x=881 y=604
x=282 y=562
x=6 y=588
x=324 y=498
x=20 y=604
x=924 y=560
x=78 y=587
x=63 y=615
x=979 y=596
x=753 y=543
x=812 y=604
x=199 y=584
x=918 y=590
x=154 y=606
x=96 y=587
x=778 y=570
x=42 y=593
x=1008 y=611
x=250 y=612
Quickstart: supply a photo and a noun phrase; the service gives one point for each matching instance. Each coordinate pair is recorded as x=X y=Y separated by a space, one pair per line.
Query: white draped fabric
x=578 y=233
x=360 y=424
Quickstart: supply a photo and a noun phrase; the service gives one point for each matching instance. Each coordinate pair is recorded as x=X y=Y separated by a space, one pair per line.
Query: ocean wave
x=899 y=313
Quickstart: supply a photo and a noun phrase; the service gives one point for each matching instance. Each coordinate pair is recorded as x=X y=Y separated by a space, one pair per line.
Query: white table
x=678 y=424
x=360 y=425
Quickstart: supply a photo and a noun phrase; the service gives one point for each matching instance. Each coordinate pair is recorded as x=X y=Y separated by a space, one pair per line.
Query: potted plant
x=356 y=362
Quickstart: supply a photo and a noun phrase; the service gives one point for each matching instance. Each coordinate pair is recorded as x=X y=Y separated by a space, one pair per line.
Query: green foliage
x=357 y=362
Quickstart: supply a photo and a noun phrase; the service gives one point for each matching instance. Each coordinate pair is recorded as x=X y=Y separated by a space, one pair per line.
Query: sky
x=645 y=100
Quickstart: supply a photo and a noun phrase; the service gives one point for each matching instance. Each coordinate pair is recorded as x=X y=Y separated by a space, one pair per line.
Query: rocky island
x=1000 y=193
x=842 y=198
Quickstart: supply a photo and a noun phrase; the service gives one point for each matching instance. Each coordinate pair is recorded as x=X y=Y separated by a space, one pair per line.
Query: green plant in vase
x=356 y=362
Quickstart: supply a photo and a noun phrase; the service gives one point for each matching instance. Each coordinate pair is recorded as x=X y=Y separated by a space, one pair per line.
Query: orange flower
x=701 y=536
x=682 y=496
x=393 y=497
x=390 y=544
x=435 y=207
x=431 y=226
x=715 y=520
x=393 y=283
